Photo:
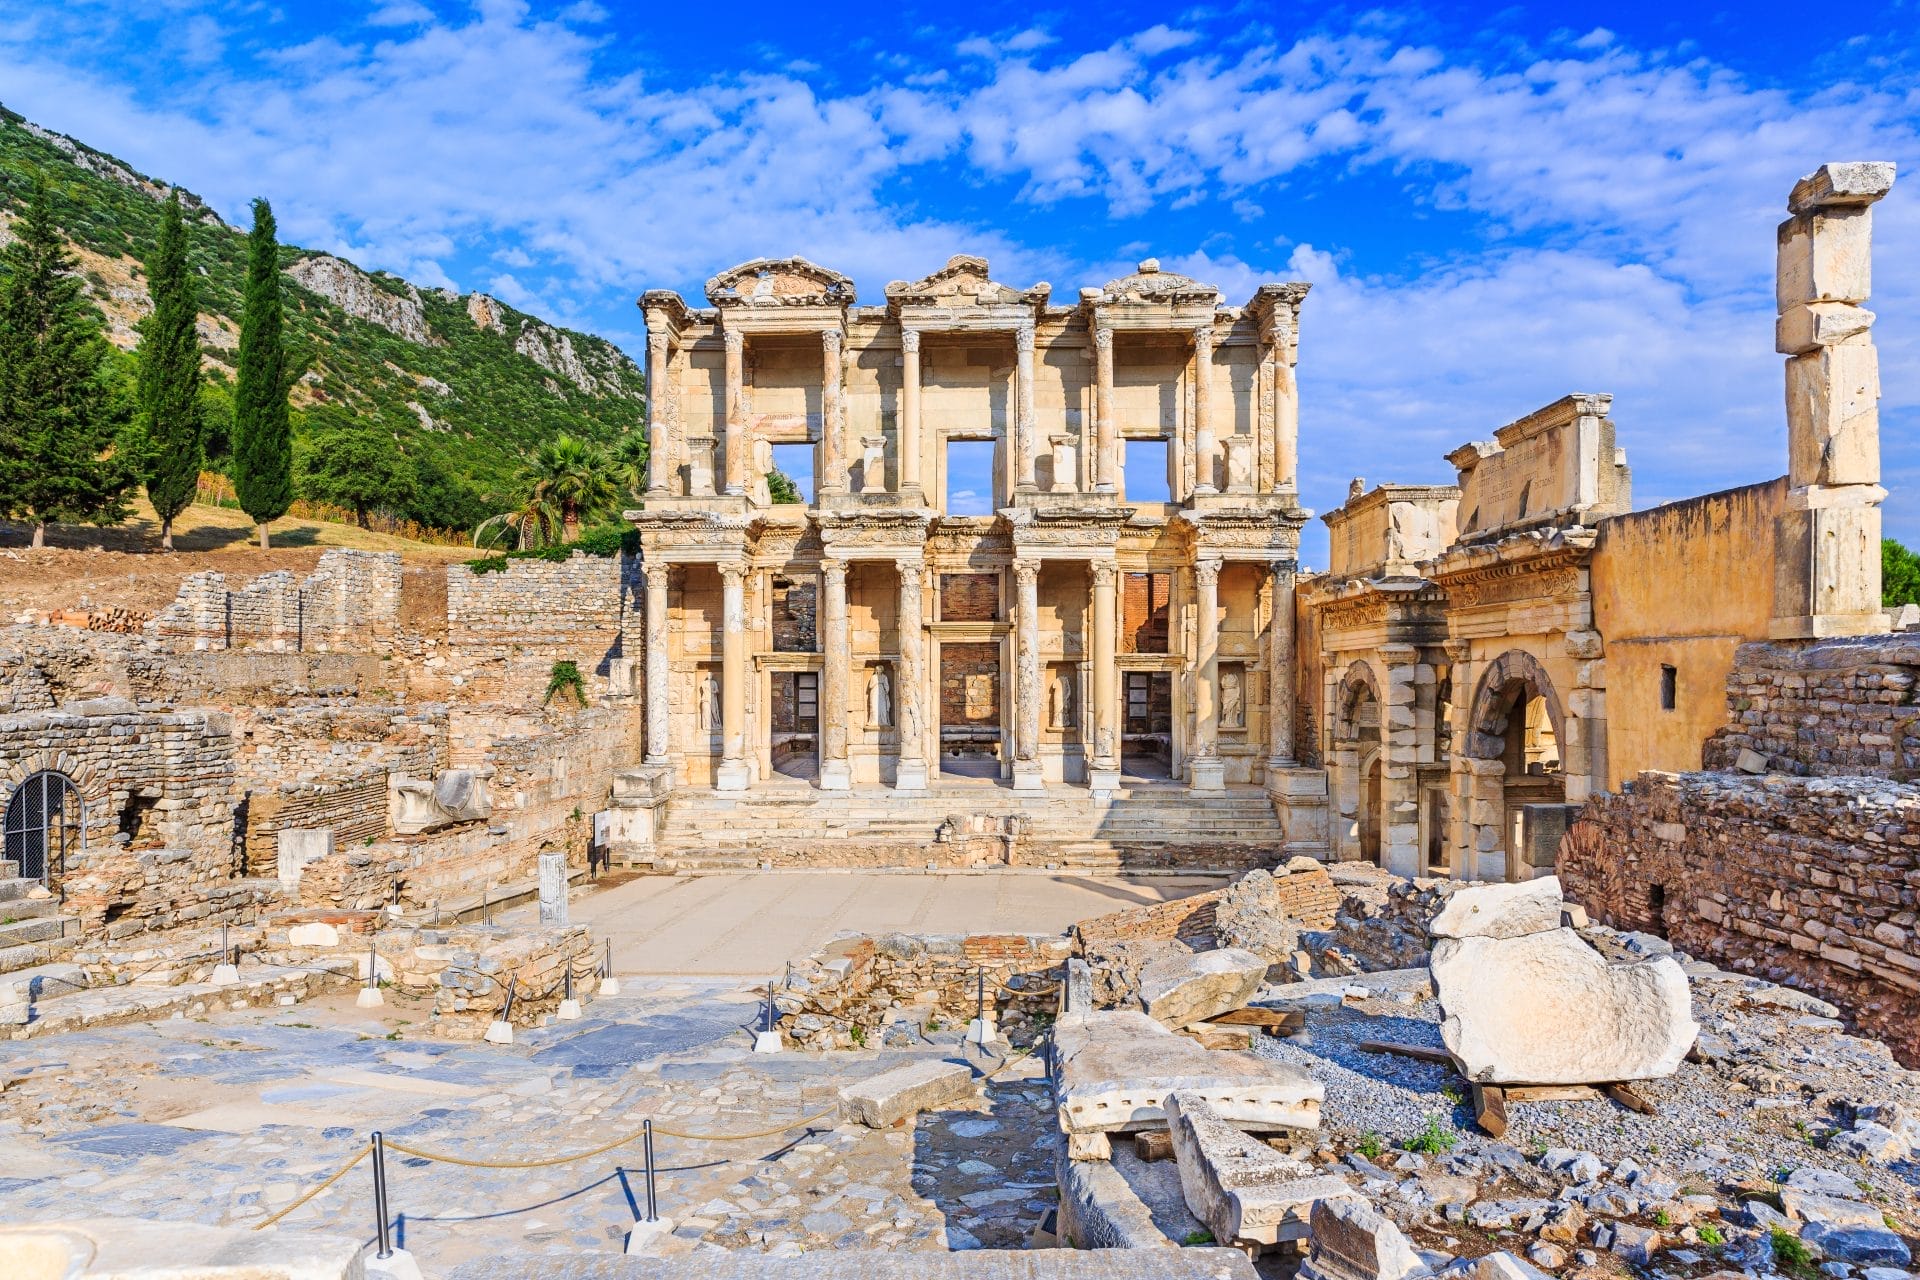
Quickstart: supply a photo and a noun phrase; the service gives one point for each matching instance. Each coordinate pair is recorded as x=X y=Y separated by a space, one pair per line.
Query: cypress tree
x=170 y=377
x=262 y=427
x=59 y=415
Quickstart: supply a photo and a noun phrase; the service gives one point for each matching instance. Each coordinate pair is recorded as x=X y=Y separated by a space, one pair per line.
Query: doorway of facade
x=970 y=710
x=43 y=825
x=1146 y=725
x=796 y=724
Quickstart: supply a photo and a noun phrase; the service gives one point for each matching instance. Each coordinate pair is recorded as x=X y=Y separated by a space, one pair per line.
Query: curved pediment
x=1150 y=286
x=779 y=282
x=964 y=281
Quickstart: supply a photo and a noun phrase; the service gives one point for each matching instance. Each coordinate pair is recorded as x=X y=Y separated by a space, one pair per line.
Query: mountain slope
x=466 y=385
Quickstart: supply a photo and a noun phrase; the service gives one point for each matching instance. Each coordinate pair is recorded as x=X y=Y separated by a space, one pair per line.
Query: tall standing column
x=1023 y=431
x=1280 y=668
x=1027 y=775
x=659 y=720
x=1206 y=772
x=1286 y=411
x=1105 y=446
x=733 y=441
x=659 y=446
x=733 y=774
x=833 y=463
x=909 y=410
x=835 y=773
x=1104 y=774
x=1400 y=754
x=1203 y=460
x=911 y=771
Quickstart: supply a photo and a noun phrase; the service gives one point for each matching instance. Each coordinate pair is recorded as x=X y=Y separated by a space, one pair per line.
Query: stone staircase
x=35 y=940
x=1154 y=826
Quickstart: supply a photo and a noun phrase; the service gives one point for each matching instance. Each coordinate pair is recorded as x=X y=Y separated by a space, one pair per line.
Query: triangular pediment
x=1150 y=286
x=779 y=282
x=964 y=281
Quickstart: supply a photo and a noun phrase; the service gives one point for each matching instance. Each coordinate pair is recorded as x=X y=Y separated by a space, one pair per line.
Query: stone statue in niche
x=1233 y=701
x=1060 y=701
x=707 y=713
x=880 y=697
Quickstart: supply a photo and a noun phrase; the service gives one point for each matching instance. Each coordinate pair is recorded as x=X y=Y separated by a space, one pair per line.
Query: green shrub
x=1790 y=1253
x=566 y=678
x=608 y=540
x=1370 y=1145
x=1436 y=1139
x=1711 y=1236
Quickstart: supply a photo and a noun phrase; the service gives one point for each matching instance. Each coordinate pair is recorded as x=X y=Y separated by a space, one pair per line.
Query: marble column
x=1205 y=772
x=1023 y=430
x=734 y=440
x=1104 y=771
x=1400 y=753
x=659 y=445
x=1027 y=774
x=909 y=410
x=1204 y=462
x=1280 y=668
x=835 y=773
x=833 y=462
x=1286 y=420
x=1105 y=446
x=908 y=689
x=658 y=718
x=734 y=774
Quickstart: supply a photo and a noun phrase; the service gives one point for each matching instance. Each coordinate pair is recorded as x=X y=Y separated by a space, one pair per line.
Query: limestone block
x=1354 y=1241
x=1824 y=582
x=1833 y=415
x=1077 y=992
x=1549 y=1009
x=83 y=1248
x=1500 y=1265
x=295 y=847
x=1824 y=257
x=553 y=888
x=1116 y=1070
x=316 y=934
x=1244 y=1190
x=882 y=1101
x=1811 y=325
x=1842 y=183
x=1179 y=990
x=1750 y=761
x=1500 y=910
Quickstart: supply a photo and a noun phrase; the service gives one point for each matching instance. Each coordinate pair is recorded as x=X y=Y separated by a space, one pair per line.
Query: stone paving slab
x=1042 y=1264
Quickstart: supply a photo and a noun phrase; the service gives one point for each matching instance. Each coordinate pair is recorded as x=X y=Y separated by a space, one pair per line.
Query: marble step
x=47 y=928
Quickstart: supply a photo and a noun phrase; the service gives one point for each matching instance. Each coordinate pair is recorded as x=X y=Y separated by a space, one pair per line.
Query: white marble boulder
x=1500 y=910
x=1549 y=1009
x=1246 y=1192
x=1180 y=990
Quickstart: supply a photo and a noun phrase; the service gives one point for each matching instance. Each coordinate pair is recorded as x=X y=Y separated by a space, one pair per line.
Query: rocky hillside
x=467 y=385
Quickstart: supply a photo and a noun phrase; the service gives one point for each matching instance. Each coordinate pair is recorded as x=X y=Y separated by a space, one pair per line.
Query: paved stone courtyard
x=229 y=1119
x=751 y=925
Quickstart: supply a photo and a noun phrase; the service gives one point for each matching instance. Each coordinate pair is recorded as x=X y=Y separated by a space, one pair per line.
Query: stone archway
x=1514 y=754
x=1358 y=712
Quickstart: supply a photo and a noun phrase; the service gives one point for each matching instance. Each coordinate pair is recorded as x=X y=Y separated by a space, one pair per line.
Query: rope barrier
x=340 y=1173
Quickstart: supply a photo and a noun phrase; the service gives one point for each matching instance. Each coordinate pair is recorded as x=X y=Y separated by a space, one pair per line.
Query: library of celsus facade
x=1118 y=611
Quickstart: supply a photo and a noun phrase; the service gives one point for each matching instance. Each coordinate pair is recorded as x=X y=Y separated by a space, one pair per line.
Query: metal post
x=513 y=984
x=769 y=1025
x=568 y=977
x=646 y=1138
x=486 y=907
x=373 y=963
x=609 y=969
x=226 y=952
x=980 y=1006
x=381 y=1230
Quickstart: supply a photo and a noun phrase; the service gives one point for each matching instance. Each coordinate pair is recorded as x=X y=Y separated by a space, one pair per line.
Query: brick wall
x=970 y=685
x=795 y=605
x=1809 y=881
x=969 y=597
x=1833 y=708
x=1144 y=612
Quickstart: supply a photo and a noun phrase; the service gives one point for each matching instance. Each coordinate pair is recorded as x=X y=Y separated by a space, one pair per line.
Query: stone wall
x=1813 y=882
x=575 y=609
x=1833 y=708
x=350 y=601
x=866 y=982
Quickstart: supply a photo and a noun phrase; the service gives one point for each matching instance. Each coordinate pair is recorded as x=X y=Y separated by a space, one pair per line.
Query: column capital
x=656 y=576
x=1027 y=569
x=1023 y=336
x=657 y=341
x=834 y=569
x=831 y=337
x=910 y=341
x=909 y=565
x=1207 y=570
x=1458 y=650
x=1103 y=337
x=1104 y=572
x=1203 y=338
x=735 y=341
x=734 y=572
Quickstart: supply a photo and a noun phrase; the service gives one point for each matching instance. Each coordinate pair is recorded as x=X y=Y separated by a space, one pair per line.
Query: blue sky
x=1495 y=206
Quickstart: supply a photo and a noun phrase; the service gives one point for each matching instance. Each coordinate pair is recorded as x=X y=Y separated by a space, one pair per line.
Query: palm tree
x=574 y=478
x=533 y=525
x=630 y=462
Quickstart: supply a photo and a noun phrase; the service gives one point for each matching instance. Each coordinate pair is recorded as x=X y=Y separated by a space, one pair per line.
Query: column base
x=910 y=775
x=1208 y=773
x=732 y=775
x=1028 y=777
x=1103 y=778
x=836 y=775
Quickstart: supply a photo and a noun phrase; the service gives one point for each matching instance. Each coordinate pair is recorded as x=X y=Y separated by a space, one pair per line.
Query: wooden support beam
x=1628 y=1098
x=1274 y=1022
x=1550 y=1092
x=1490 y=1109
x=1418 y=1052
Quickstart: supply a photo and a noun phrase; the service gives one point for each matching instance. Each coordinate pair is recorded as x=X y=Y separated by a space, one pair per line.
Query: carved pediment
x=779 y=282
x=1150 y=286
x=964 y=282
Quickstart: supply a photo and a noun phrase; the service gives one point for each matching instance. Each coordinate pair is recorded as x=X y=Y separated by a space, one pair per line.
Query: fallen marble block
x=1354 y=1241
x=1549 y=1009
x=1180 y=990
x=1500 y=910
x=1117 y=1069
x=882 y=1101
x=1246 y=1192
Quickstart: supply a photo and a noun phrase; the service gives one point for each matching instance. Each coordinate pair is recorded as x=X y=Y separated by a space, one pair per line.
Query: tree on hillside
x=574 y=478
x=262 y=429
x=1899 y=574
x=630 y=462
x=348 y=462
x=781 y=489
x=61 y=409
x=170 y=380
